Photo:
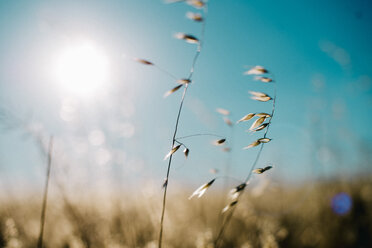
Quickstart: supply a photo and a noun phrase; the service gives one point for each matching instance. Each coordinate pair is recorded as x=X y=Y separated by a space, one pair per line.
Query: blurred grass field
x=308 y=216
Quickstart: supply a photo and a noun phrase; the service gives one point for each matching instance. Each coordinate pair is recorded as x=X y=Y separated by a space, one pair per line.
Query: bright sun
x=81 y=69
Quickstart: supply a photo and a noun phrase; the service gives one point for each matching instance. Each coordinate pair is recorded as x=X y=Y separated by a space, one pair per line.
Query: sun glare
x=82 y=69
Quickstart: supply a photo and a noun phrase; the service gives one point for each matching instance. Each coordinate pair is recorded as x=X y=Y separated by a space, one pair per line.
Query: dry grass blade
x=143 y=61
x=263 y=79
x=184 y=81
x=172 y=90
x=174 y=149
x=257 y=70
x=202 y=189
x=186 y=152
x=223 y=111
x=247 y=117
x=264 y=140
x=258 y=122
x=219 y=142
x=194 y=16
x=187 y=37
x=232 y=204
x=253 y=144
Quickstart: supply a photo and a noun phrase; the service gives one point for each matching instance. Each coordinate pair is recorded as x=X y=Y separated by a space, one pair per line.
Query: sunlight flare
x=81 y=69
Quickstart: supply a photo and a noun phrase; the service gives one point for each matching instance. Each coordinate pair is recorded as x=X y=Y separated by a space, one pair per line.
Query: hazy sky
x=118 y=125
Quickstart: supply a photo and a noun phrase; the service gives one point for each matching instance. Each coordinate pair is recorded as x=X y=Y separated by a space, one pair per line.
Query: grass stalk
x=228 y=218
x=45 y=197
x=174 y=140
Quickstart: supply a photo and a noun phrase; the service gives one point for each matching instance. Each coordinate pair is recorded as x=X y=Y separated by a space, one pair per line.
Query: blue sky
x=319 y=52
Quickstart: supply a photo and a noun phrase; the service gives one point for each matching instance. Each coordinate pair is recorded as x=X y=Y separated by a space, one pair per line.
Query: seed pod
x=186 y=152
x=263 y=115
x=187 y=37
x=196 y=3
x=202 y=189
x=219 y=142
x=174 y=149
x=264 y=140
x=255 y=143
x=172 y=90
x=257 y=70
x=194 y=16
x=247 y=117
x=263 y=126
x=143 y=61
x=230 y=205
x=263 y=79
x=258 y=122
x=184 y=81
x=261 y=98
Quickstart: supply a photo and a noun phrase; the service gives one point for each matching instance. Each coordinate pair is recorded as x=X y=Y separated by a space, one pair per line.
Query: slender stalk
x=229 y=217
x=200 y=134
x=196 y=56
x=169 y=166
x=45 y=198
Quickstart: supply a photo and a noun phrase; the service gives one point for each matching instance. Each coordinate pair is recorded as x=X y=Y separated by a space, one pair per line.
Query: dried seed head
x=255 y=143
x=229 y=206
x=172 y=90
x=261 y=98
x=268 y=168
x=247 y=117
x=258 y=122
x=258 y=94
x=235 y=192
x=261 y=170
x=143 y=61
x=187 y=37
x=186 y=152
x=263 y=115
x=259 y=128
x=219 y=142
x=196 y=3
x=184 y=81
x=223 y=111
x=257 y=70
x=202 y=189
x=194 y=16
x=264 y=140
x=263 y=79
x=174 y=149
x=228 y=121
x=258 y=170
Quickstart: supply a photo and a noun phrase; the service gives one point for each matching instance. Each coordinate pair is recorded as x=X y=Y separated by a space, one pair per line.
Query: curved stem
x=176 y=129
x=169 y=166
x=228 y=218
x=200 y=134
